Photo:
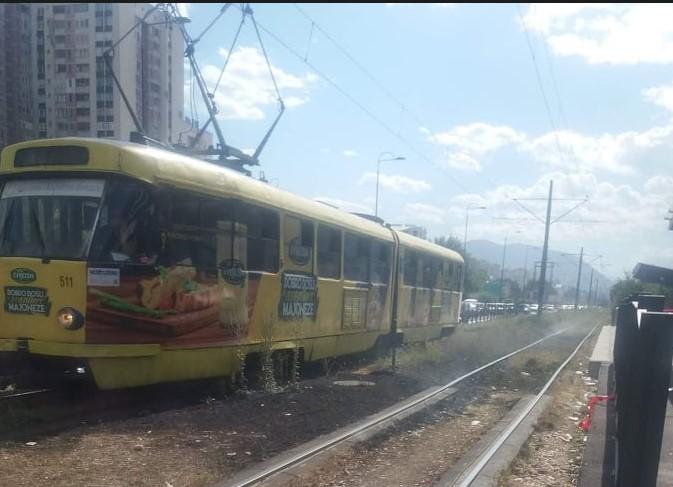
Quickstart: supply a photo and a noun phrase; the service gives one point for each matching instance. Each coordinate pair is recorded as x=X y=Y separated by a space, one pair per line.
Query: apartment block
x=54 y=81
x=16 y=88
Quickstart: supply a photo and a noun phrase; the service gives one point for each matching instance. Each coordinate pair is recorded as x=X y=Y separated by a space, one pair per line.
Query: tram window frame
x=305 y=233
x=187 y=218
x=146 y=235
x=357 y=266
x=269 y=237
x=409 y=257
x=448 y=280
x=429 y=271
x=456 y=277
x=326 y=257
x=380 y=252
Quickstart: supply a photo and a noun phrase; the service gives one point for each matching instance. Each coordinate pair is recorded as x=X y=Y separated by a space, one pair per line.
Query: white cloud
x=344 y=205
x=606 y=33
x=350 y=153
x=422 y=212
x=462 y=161
x=661 y=95
x=660 y=185
x=617 y=153
x=466 y=143
x=396 y=182
x=246 y=90
x=477 y=138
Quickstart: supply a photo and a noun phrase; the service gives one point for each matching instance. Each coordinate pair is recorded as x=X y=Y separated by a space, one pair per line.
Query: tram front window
x=51 y=218
x=127 y=226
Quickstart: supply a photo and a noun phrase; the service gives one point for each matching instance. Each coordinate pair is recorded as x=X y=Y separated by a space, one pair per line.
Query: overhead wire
x=359 y=65
x=539 y=81
x=354 y=100
x=230 y=51
x=381 y=86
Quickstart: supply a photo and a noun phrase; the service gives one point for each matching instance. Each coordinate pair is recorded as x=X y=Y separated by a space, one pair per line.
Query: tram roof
x=158 y=166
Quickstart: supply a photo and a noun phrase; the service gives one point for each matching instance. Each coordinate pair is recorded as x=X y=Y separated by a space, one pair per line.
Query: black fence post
x=643 y=351
x=657 y=347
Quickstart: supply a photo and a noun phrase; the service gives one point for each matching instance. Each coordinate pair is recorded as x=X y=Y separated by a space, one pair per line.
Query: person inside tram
x=127 y=234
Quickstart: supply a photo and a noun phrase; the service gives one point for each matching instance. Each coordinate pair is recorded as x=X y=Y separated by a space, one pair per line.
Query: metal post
x=463 y=269
x=378 y=169
x=591 y=285
x=642 y=360
x=579 y=277
x=543 y=268
x=502 y=270
x=525 y=270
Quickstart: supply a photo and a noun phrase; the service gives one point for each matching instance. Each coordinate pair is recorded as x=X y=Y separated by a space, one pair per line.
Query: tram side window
x=356 y=258
x=448 y=280
x=380 y=258
x=458 y=270
x=329 y=252
x=298 y=238
x=127 y=226
x=262 y=230
x=430 y=270
x=188 y=229
x=410 y=265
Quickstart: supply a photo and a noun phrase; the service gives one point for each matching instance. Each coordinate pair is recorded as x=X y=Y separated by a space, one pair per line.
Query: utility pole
x=545 y=248
x=463 y=272
x=502 y=270
x=579 y=277
x=525 y=270
x=591 y=285
x=547 y=224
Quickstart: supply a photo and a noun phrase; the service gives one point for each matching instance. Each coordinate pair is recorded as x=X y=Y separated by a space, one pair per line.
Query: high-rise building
x=74 y=93
x=16 y=106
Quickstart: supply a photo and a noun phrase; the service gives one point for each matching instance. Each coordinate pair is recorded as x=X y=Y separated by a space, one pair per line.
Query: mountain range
x=563 y=267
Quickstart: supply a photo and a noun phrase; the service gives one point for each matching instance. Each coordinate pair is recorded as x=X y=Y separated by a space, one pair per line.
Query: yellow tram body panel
x=279 y=271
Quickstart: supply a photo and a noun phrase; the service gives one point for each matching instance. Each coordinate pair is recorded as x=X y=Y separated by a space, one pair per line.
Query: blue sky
x=473 y=118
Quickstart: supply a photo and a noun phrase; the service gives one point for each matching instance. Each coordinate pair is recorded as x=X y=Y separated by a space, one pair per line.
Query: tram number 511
x=65 y=281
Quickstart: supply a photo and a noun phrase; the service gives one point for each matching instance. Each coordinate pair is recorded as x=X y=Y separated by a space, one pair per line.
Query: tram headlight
x=69 y=318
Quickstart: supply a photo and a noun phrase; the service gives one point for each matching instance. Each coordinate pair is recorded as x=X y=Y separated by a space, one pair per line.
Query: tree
x=629 y=285
x=476 y=274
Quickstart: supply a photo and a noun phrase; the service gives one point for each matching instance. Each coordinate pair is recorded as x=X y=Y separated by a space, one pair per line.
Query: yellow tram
x=134 y=265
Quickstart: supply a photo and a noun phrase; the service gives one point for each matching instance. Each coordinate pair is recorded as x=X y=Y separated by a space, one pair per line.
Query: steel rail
x=14 y=395
x=495 y=446
x=331 y=442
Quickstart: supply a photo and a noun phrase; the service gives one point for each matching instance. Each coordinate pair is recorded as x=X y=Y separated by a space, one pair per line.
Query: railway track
x=9 y=396
x=285 y=463
x=471 y=474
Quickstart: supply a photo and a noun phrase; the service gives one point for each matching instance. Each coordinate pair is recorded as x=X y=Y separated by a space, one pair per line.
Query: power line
x=403 y=107
x=539 y=80
x=356 y=102
x=359 y=65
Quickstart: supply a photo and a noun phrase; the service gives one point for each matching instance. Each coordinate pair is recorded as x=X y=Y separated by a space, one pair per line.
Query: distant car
x=522 y=308
x=533 y=308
